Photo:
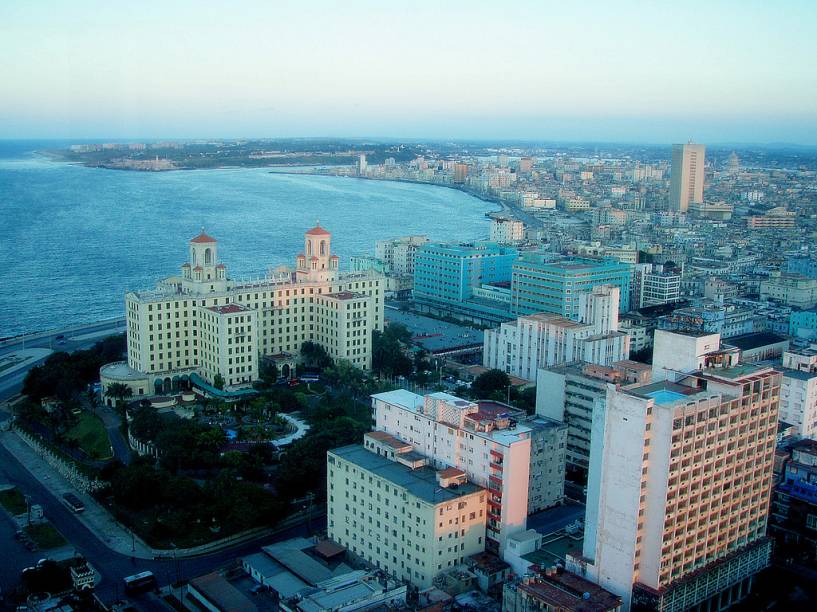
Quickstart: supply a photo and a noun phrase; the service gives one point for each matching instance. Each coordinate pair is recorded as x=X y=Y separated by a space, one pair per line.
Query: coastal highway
x=70 y=339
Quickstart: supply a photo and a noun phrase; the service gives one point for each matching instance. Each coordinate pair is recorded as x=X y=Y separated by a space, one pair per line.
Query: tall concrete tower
x=679 y=485
x=687 y=180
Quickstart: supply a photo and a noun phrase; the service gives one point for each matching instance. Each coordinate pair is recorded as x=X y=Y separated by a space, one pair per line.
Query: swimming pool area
x=663 y=396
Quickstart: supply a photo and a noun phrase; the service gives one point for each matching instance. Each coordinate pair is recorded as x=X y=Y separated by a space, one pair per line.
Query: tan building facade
x=687 y=179
x=388 y=507
x=203 y=323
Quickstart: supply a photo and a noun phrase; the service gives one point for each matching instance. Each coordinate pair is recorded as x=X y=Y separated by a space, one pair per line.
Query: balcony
x=495 y=480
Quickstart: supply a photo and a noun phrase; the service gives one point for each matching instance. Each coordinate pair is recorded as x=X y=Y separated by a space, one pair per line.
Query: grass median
x=13 y=501
x=91 y=436
x=45 y=536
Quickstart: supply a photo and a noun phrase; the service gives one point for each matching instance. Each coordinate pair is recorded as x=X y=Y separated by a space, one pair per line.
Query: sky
x=626 y=71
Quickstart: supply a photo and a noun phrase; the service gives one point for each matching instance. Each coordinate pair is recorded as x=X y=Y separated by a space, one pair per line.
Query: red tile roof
x=451 y=472
x=317 y=231
x=203 y=238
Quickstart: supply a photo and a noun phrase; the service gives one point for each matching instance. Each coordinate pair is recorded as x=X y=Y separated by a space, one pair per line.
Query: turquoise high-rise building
x=466 y=280
x=543 y=282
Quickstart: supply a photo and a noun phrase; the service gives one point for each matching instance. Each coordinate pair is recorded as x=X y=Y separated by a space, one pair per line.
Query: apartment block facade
x=492 y=449
x=454 y=279
x=544 y=283
x=679 y=488
x=544 y=340
x=798 y=397
x=687 y=177
x=399 y=253
x=399 y=514
x=571 y=393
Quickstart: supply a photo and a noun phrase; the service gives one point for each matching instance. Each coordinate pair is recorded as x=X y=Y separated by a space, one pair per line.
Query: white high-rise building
x=798 y=397
x=361 y=164
x=675 y=352
x=507 y=231
x=398 y=253
x=493 y=451
x=678 y=487
x=571 y=393
x=201 y=326
x=654 y=285
x=544 y=340
x=687 y=179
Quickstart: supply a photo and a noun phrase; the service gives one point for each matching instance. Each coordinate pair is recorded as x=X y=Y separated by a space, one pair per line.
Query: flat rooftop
x=421 y=483
x=797 y=374
x=666 y=392
x=434 y=335
x=414 y=403
x=747 y=342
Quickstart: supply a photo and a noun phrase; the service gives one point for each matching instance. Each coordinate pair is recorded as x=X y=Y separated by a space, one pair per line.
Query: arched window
x=323 y=247
x=208 y=257
x=309 y=247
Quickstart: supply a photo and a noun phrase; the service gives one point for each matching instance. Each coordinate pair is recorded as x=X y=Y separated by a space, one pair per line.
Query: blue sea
x=74 y=239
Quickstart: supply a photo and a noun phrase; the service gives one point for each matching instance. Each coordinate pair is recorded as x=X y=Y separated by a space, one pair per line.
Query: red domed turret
x=203 y=238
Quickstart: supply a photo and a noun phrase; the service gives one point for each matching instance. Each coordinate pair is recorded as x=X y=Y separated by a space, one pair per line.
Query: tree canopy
x=388 y=356
x=490 y=382
x=67 y=374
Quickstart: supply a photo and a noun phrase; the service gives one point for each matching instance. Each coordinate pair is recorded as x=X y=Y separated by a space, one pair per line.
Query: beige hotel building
x=201 y=324
x=679 y=486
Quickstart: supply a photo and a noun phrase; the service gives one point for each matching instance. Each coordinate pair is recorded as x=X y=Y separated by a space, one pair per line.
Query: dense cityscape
x=408 y=307
x=608 y=402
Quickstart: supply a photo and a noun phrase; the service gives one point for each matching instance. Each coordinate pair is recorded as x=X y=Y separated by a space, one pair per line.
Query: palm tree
x=93 y=401
x=118 y=391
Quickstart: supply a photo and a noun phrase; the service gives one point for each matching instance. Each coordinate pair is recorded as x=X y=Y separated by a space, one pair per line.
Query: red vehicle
x=294 y=382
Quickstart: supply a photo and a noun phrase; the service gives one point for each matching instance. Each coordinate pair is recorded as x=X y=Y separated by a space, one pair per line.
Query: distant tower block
x=687 y=180
x=733 y=163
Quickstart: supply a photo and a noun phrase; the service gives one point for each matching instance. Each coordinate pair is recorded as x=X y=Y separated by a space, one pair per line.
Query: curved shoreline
x=446 y=216
x=503 y=207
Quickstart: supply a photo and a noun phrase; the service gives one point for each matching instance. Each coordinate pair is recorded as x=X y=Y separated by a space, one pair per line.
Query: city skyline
x=620 y=73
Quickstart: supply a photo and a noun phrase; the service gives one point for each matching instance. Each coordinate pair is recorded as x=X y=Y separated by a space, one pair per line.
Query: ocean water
x=74 y=239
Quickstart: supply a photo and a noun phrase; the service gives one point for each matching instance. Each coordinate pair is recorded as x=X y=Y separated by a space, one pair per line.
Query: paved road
x=556 y=518
x=85 y=337
x=112 y=421
x=112 y=566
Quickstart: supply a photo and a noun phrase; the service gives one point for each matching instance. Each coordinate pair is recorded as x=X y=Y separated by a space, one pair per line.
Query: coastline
x=503 y=206
x=287 y=169
x=443 y=210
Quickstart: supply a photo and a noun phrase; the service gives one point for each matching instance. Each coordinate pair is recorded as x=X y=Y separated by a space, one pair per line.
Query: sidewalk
x=96 y=518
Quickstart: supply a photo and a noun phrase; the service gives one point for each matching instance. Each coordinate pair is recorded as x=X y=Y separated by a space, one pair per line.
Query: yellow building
x=388 y=506
x=202 y=323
